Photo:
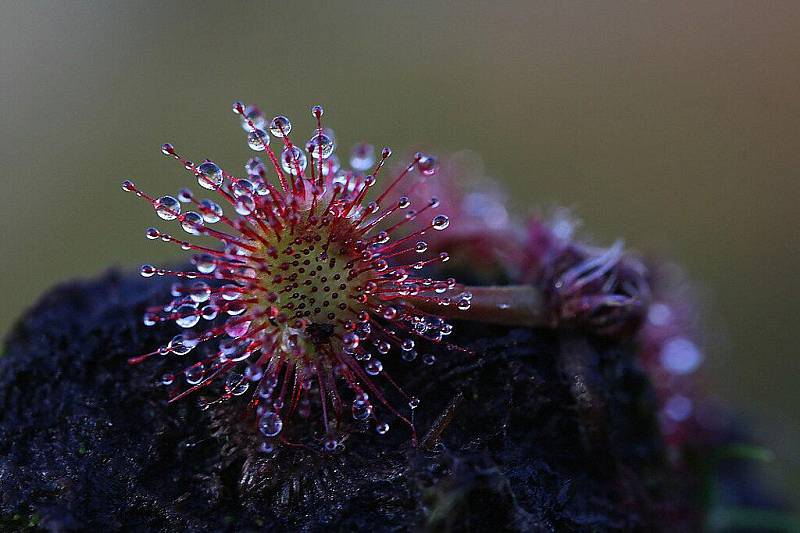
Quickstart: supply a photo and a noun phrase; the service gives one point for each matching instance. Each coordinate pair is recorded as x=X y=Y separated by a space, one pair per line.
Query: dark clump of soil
x=536 y=431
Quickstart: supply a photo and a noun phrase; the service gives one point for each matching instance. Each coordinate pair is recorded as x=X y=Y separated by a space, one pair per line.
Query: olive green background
x=674 y=125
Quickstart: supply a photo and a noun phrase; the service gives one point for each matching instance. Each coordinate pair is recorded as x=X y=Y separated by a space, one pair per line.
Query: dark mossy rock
x=536 y=431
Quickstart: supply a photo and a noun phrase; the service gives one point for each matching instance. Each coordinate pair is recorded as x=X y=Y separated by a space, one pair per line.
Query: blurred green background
x=674 y=125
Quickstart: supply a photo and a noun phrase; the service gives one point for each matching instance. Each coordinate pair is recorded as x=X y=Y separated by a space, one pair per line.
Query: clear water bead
x=440 y=222
x=270 y=424
x=194 y=374
x=280 y=126
x=320 y=146
x=382 y=428
x=167 y=208
x=293 y=160
x=258 y=140
x=187 y=316
x=211 y=211
x=373 y=367
x=426 y=164
x=363 y=157
x=191 y=223
x=254 y=115
x=209 y=175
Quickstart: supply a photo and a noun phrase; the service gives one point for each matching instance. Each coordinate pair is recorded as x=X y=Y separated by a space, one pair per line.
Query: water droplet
x=211 y=211
x=280 y=126
x=362 y=409
x=292 y=159
x=320 y=146
x=383 y=347
x=236 y=385
x=199 y=291
x=167 y=208
x=440 y=222
x=245 y=205
x=230 y=292
x=382 y=428
x=426 y=164
x=258 y=140
x=205 y=263
x=421 y=246
x=194 y=374
x=253 y=372
x=363 y=157
x=409 y=355
x=413 y=402
x=147 y=271
x=428 y=359
x=270 y=424
x=350 y=340
x=167 y=149
x=167 y=379
x=237 y=329
x=330 y=443
x=188 y=316
x=373 y=367
x=191 y=223
x=209 y=175
x=209 y=312
x=128 y=186
x=185 y=195
x=236 y=308
x=256 y=117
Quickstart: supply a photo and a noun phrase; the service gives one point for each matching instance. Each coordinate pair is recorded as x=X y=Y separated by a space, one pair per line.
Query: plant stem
x=514 y=305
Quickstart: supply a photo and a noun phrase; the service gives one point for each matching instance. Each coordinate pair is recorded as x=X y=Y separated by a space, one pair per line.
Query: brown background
x=673 y=125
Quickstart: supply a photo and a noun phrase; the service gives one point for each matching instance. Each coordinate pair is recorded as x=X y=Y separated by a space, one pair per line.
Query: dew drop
x=426 y=164
x=255 y=116
x=382 y=428
x=211 y=211
x=270 y=424
x=362 y=409
x=185 y=195
x=167 y=208
x=350 y=340
x=292 y=159
x=147 y=271
x=236 y=385
x=188 y=316
x=363 y=157
x=440 y=222
x=237 y=329
x=209 y=175
x=258 y=140
x=373 y=367
x=320 y=146
x=194 y=374
x=280 y=126
x=191 y=222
